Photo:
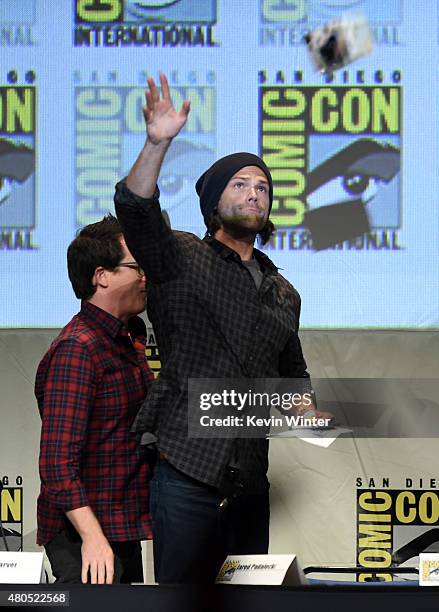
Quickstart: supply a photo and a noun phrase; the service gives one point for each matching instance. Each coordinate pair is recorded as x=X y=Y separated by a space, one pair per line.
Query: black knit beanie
x=212 y=183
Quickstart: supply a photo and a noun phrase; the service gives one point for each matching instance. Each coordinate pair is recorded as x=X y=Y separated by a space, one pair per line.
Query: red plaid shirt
x=89 y=387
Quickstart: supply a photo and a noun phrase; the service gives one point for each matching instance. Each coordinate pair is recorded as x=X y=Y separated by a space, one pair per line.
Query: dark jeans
x=64 y=554
x=192 y=536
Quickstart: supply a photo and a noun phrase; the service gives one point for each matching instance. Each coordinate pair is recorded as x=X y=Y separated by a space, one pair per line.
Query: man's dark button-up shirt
x=89 y=387
x=210 y=321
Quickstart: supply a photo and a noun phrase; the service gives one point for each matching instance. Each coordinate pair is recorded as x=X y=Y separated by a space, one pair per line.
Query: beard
x=241 y=226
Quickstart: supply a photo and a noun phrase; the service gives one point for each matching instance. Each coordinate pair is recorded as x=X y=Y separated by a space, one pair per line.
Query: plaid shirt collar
x=226 y=252
x=111 y=325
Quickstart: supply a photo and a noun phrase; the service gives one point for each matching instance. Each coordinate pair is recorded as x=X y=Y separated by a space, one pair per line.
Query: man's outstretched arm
x=163 y=123
x=148 y=237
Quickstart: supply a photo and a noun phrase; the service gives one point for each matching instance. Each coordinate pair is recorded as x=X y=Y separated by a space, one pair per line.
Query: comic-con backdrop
x=354 y=164
x=353 y=156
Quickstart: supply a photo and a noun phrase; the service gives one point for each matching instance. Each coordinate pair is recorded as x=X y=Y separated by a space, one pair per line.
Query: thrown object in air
x=339 y=42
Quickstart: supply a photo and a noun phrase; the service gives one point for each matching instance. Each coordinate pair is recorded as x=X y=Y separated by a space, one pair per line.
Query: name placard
x=21 y=567
x=261 y=569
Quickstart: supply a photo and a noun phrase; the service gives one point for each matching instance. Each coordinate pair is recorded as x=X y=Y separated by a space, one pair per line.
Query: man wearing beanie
x=219 y=309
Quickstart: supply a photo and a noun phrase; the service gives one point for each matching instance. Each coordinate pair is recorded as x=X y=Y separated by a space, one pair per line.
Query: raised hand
x=163 y=122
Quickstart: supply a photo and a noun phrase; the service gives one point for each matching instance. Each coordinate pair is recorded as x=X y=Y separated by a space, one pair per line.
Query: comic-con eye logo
x=110 y=129
x=151 y=23
x=228 y=570
x=344 y=192
x=334 y=154
x=17 y=163
x=284 y=23
x=17 y=166
x=110 y=11
x=393 y=528
x=430 y=571
x=11 y=514
x=315 y=11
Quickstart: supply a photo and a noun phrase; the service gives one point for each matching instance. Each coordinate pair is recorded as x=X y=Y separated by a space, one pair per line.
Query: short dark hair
x=214 y=224
x=97 y=244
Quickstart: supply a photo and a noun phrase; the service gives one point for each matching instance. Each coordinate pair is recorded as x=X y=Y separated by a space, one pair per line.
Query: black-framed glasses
x=133 y=265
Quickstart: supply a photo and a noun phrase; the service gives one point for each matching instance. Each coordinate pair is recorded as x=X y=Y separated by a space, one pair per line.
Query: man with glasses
x=93 y=504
